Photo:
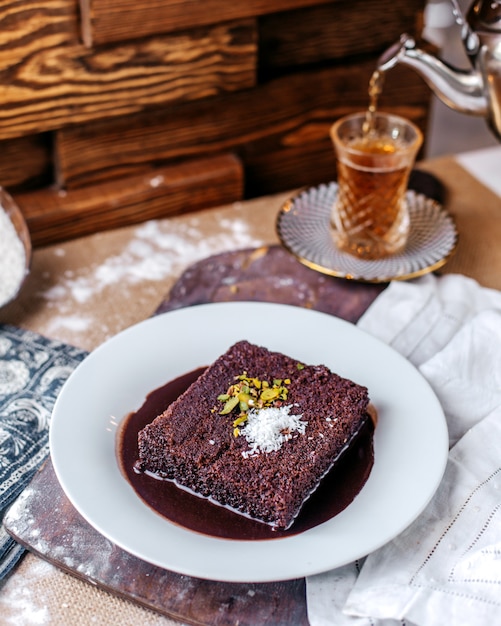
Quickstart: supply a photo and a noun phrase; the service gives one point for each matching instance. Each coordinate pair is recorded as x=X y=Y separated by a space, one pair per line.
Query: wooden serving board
x=48 y=525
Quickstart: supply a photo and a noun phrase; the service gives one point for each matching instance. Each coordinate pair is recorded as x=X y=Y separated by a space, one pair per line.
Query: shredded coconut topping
x=267 y=429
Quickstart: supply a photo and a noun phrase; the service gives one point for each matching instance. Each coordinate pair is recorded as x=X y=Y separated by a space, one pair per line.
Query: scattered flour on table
x=22 y=603
x=153 y=255
x=39 y=594
x=12 y=259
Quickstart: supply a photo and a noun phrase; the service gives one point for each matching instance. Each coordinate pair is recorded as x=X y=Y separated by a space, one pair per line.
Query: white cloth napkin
x=446 y=567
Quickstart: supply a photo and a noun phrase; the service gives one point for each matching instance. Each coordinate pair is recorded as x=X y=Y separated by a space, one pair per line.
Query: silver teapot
x=476 y=90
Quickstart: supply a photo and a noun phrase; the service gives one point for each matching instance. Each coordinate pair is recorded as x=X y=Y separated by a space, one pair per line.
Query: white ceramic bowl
x=14 y=214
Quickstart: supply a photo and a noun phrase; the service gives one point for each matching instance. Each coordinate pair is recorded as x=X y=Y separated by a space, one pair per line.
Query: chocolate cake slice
x=256 y=432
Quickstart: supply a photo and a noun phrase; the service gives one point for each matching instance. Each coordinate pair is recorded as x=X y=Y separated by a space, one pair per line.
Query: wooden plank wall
x=218 y=100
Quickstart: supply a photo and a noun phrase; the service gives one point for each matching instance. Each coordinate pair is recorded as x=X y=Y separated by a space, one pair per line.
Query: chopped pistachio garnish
x=249 y=392
x=229 y=405
x=240 y=420
x=267 y=395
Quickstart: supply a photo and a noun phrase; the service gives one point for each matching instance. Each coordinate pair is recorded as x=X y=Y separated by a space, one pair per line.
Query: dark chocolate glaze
x=335 y=493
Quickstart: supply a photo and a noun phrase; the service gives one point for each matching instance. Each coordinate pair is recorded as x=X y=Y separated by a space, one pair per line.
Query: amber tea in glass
x=374 y=160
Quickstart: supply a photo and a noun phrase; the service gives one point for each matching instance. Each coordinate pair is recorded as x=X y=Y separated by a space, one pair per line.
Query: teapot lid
x=485 y=15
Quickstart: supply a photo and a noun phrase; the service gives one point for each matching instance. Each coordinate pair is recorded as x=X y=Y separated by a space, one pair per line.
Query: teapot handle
x=468 y=35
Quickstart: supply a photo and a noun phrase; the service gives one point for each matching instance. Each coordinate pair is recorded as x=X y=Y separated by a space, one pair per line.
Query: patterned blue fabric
x=32 y=371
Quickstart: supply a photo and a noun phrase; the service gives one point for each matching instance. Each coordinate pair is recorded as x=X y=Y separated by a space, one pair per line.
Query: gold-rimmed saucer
x=304 y=228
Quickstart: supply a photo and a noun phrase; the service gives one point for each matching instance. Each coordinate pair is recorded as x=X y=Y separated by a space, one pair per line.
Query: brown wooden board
x=54 y=215
x=46 y=523
x=26 y=162
x=36 y=25
x=279 y=129
x=61 y=82
x=104 y=21
x=269 y=274
x=334 y=31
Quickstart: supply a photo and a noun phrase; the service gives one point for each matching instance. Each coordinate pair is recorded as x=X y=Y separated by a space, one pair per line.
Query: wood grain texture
x=30 y=26
x=279 y=129
x=105 y=21
x=54 y=215
x=100 y=90
x=26 y=162
x=58 y=85
x=334 y=31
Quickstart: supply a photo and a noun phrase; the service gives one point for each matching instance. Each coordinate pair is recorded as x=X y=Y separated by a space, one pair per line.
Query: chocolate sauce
x=336 y=492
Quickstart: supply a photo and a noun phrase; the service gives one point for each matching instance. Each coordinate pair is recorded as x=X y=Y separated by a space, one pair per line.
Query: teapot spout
x=461 y=90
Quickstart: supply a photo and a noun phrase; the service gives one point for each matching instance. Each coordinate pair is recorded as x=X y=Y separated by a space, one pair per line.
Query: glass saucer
x=304 y=228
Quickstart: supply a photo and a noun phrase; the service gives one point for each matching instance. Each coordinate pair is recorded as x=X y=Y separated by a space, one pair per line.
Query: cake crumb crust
x=194 y=445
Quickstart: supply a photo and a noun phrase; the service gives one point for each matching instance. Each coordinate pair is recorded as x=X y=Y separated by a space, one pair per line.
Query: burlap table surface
x=85 y=291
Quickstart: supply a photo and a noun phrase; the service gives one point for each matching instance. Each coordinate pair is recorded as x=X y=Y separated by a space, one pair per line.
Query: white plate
x=410 y=441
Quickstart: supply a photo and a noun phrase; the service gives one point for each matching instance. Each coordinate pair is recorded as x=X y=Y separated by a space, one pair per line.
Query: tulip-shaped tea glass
x=375 y=155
